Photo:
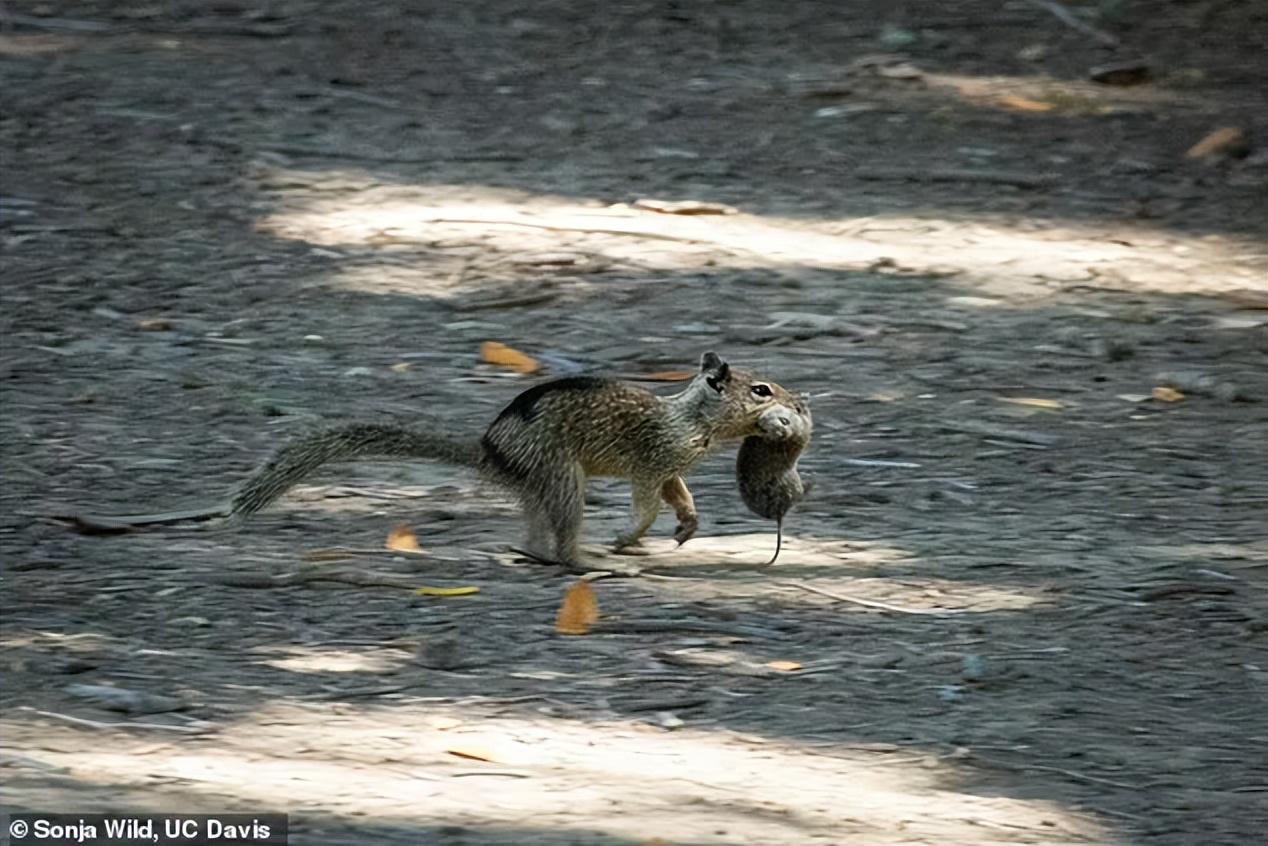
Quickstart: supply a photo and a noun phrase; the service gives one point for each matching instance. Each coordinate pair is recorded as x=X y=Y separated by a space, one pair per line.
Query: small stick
x=990 y=177
x=1071 y=20
x=1070 y=774
x=95 y=724
x=103 y=524
x=872 y=603
x=585 y=230
x=664 y=626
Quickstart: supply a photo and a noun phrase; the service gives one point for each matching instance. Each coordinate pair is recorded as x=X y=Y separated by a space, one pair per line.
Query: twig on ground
x=360 y=578
x=669 y=626
x=1034 y=439
x=1074 y=775
x=990 y=177
x=585 y=230
x=872 y=603
x=1071 y=20
x=96 y=724
x=508 y=302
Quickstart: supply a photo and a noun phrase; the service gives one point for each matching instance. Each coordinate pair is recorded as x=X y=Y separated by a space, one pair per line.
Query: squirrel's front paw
x=686 y=529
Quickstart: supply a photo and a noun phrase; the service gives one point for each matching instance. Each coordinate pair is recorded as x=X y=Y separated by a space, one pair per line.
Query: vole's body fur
x=551 y=438
x=766 y=467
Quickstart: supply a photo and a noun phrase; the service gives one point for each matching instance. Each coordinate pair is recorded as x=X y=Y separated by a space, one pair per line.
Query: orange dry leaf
x=579 y=611
x=491 y=352
x=403 y=539
x=1164 y=394
x=783 y=666
x=1023 y=104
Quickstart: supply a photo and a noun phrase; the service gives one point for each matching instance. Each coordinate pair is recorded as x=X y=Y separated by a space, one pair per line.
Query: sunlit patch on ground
x=310 y=660
x=989 y=255
x=433 y=764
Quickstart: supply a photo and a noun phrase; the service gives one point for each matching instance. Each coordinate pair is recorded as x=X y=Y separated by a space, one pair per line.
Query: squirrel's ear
x=717 y=372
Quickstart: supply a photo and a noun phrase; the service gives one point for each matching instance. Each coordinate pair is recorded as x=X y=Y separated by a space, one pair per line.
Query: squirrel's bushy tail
x=299 y=459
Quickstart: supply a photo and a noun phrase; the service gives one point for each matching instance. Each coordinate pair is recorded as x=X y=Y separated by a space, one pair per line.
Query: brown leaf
x=403 y=539
x=579 y=611
x=492 y=352
x=154 y=324
x=1164 y=394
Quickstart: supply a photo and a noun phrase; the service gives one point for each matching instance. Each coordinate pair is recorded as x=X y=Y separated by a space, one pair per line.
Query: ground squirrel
x=766 y=467
x=549 y=440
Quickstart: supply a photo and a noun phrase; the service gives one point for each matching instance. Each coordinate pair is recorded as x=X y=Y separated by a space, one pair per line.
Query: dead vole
x=766 y=467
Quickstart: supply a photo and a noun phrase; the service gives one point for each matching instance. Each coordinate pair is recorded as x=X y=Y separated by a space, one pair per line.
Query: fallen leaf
x=1034 y=402
x=579 y=611
x=475 y=753
x=403 y=539
x=1023 y=104
x=783 y=666
x=1164 y=394
x=428 y=590
x=154 y=324
x=401 y=366
x=1134 y=397
x=683 y=207
x=492 y=352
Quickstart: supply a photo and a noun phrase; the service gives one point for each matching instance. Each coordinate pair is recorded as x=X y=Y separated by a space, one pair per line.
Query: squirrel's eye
x=760 y=390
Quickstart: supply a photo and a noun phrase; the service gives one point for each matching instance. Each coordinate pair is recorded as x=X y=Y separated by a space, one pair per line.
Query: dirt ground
x=1027 y=600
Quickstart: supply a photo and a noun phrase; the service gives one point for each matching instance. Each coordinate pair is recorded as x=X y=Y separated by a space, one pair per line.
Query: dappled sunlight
x=997 y=257
x=433 y=764
x=298 y=659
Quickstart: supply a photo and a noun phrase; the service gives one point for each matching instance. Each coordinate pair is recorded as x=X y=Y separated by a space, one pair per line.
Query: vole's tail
x=779 y=539
x=297 y=460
